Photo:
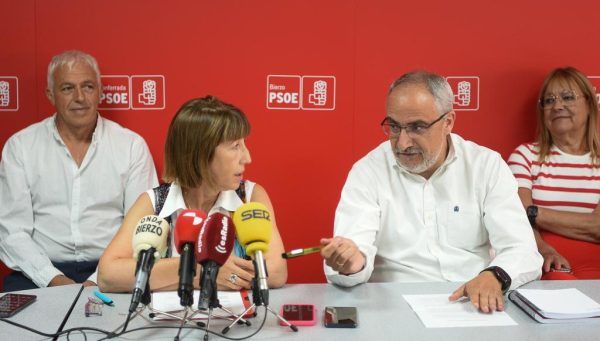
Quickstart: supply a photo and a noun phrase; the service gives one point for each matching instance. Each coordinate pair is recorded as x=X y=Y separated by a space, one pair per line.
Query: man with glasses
x=430 y=206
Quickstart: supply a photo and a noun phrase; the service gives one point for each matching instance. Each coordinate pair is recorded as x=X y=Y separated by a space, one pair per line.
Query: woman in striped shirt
x=559 y=177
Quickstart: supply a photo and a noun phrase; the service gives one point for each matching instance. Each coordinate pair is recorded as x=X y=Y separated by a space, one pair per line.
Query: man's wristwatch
x=532 y=212
x=501 y=276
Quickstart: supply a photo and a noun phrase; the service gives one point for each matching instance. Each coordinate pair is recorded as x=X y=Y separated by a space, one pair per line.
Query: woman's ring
x=232 y=278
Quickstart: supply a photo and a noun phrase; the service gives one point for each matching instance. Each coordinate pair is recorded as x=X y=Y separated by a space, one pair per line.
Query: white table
x=382 y=313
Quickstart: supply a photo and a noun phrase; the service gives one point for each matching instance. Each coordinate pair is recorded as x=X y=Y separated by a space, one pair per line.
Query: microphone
x=187 y=229
x=215 y=244
x=254 y=229
x=149 y=244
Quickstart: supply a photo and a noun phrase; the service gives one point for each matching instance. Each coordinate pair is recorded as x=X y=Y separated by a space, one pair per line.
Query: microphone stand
x=190 y=313
x=145 y=300
x=184 y=320
x=146 y=303
x=144 y=265
x=260 y=297
x=213 y=302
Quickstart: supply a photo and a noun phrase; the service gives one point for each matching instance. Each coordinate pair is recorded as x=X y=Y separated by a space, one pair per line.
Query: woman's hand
x=552 y=259
x=235 y=274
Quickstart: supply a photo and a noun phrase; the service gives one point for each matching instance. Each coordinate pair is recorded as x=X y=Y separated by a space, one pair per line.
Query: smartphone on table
x=299 y=314
x=11 y=304
x=340 y=317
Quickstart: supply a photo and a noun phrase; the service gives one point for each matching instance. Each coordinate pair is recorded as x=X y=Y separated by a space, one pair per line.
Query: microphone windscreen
x=187 y=227
x=253 y=226
x=151 y=231
x=216 y=239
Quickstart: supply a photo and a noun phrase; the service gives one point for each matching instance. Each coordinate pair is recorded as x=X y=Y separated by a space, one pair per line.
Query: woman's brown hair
x=198 y=127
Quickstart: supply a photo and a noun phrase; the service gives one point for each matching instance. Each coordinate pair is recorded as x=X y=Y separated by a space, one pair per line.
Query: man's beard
x=427 y=162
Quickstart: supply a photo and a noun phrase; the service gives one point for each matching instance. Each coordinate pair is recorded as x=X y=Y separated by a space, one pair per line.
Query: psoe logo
x=148 y=92
x=466 y=92
x=595 y=80
x=283 y=92
x=115 y=93
x=294 y=92
x=9 y=93
x=318 y=92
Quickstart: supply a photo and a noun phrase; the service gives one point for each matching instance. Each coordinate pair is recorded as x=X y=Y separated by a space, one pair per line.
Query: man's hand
x=484 y=291
x=60 y=280
x=88 y=283
x=342 y=255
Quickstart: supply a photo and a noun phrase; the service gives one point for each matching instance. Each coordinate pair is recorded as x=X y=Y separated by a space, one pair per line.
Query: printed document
x=435 y=311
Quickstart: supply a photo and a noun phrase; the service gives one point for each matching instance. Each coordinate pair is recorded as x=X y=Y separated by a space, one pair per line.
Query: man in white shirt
x=430 y=206
x=66 y=182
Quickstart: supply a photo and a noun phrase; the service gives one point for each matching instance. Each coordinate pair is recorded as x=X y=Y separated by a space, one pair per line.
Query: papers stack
x=556 y=306
x=168 y=302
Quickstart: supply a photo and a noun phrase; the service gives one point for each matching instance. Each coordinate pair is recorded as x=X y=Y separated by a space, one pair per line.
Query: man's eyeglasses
x=392 y=129
x=567 y=98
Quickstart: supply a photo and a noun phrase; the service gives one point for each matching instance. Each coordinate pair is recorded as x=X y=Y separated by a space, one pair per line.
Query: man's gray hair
x=70 y=58
x=437 y=86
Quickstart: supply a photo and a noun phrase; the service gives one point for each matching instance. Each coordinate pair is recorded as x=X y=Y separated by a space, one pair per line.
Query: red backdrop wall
x=230 y=48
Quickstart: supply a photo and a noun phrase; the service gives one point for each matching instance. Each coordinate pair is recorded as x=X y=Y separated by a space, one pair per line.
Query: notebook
x=556 y=306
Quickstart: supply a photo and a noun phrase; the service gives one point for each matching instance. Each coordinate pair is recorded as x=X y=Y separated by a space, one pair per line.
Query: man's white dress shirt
x=53 y=210
x=445 y=228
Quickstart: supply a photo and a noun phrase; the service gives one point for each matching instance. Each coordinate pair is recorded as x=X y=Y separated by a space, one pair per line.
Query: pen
x=107 y=300
x=301 y=252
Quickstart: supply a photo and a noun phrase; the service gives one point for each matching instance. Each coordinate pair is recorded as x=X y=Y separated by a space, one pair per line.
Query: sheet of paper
x=435 y=311
x=168 y=301
x=562 y=303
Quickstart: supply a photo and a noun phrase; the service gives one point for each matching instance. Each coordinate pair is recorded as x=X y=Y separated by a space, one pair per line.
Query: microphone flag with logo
x=254 y=230
x=214 y=246
x=187 y=228
x=149 y=244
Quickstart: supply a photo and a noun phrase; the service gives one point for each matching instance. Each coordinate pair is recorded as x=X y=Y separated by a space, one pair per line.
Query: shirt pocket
x=464 y=227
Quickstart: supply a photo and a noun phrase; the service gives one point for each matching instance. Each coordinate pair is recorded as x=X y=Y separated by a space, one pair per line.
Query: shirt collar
x=226 y=201
x=173 y=202
x=51 y=124
x=453 y=153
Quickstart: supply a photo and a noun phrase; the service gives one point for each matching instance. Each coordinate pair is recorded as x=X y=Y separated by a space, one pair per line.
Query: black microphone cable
x=56 y=335
x=64 y=321
x=112 y=334
x=260 y=327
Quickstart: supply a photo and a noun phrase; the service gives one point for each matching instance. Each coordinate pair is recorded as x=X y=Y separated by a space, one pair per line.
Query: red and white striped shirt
x=563 y=182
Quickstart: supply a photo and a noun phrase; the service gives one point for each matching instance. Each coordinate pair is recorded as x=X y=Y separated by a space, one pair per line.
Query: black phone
x=340 y=317
x=11 y=304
